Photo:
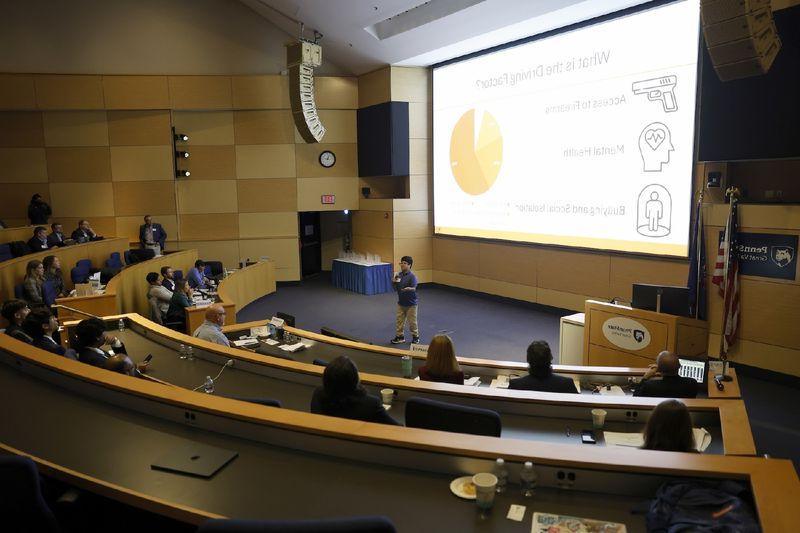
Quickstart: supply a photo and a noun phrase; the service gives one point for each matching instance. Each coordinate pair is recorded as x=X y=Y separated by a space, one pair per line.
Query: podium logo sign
x=767 y=255
x=626 y=333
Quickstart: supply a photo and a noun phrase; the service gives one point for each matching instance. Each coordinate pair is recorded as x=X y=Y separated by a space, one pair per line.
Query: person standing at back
x=38 y=210
x=405 y=283
x=662 y=380
x=152 y=235
x=540 y=372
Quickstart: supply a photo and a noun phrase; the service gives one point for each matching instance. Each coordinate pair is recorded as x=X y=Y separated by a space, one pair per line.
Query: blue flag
x=697 y=267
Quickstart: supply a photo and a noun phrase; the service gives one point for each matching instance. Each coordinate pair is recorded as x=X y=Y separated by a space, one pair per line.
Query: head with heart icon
x=655 y=145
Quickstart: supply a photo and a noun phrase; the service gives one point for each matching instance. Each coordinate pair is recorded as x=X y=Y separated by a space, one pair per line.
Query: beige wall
x=100 y=147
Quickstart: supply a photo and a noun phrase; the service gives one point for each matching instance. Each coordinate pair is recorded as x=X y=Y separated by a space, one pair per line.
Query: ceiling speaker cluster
x=301 y=58
x=741 y=37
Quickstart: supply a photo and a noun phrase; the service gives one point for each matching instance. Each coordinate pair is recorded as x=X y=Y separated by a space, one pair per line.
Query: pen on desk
x=569 y=431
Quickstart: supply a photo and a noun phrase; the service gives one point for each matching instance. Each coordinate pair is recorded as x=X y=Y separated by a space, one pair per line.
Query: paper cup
x=599 y=418
x=485 y=485
x=387 y=395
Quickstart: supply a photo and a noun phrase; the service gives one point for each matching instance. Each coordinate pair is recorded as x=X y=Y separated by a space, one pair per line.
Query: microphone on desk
x=68 y=308
x=718 y=382
x=208 y=384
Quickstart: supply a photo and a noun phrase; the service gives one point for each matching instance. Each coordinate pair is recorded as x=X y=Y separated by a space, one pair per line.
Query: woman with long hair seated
x=540 y=372
x=180 y=300
x=669 y=428
x=32 y=284
x=343 y=395
x=441 y=364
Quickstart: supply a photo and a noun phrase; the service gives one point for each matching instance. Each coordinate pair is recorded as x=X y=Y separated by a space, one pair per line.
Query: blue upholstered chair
x=128 y=257
x=360 y=524
x=433 y=414
x=114 y=261
x=78 y=275
x=269 y=402
x=49 y=293
x=5 y=252
x=18 y=291
x=21 y=500
x=84 y=264
x=177 y=274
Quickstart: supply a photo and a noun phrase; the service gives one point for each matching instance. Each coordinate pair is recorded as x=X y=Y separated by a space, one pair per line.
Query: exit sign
x=329 y=199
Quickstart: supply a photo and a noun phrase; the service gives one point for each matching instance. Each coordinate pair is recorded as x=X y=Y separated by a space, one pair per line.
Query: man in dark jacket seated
x=90 y=335
x=662 y=380
x=343 y=395
x=15 y=311
x=40 y=324
x=540 y=372
x=38 y=242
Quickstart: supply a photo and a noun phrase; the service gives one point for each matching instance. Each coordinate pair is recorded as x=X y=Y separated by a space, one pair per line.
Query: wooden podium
x=618 y=335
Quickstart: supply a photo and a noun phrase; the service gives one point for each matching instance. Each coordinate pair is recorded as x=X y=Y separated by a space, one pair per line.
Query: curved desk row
x=525 y=414
x=384 y=360
x=106 y=430
x=19 y=233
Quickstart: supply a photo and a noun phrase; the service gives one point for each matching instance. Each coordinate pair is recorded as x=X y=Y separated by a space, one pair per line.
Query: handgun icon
x=659 y=89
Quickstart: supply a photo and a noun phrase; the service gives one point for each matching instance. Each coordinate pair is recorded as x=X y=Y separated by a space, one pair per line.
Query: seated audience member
x=441 y=364
x=159 y=293
x=15 y=311
x=662 y=380
x=52 y=272
x=211 y=329
x=38 y=210
x=40 y=325
x=85 y=233
x=32 y=284
x=3 y=224
x=152 y=235
x=540 y=372
x=669 y=428
x=90 y=336
x=38 y=242
x=57 y=237
x=181 y=299
x=197 y=276
x=168 y=281
x=343 y=395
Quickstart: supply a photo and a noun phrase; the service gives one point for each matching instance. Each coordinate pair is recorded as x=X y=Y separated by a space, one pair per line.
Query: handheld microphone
x=718 y=383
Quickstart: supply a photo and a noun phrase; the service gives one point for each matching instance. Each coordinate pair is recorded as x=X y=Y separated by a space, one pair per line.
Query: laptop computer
x=195 y=459
x=695 y=368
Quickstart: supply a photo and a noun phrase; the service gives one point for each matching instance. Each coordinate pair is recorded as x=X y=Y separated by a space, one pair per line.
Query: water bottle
x=527 y=479
x=121 y=325
x=189 y=353
x=405 y=366
x=208 y=386
x=502 y=475
x=182 y=352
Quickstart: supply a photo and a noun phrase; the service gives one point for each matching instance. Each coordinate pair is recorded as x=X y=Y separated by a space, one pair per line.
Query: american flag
x=726 y=277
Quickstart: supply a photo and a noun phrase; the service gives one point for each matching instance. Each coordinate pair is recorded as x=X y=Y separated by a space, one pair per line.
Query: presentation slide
x=585 y=138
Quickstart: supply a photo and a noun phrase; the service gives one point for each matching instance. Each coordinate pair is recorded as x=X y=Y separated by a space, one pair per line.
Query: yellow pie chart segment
x=476 y=152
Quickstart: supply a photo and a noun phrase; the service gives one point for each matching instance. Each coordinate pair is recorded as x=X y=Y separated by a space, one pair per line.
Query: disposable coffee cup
x=485 y=485
x=387 y=395
x=599 y=418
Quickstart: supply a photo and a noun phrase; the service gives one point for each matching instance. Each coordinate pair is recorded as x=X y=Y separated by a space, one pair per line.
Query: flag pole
x=732 y=194
x=697 y=259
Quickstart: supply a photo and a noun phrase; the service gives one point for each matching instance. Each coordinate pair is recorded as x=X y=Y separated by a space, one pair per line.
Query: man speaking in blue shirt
x=405 y=283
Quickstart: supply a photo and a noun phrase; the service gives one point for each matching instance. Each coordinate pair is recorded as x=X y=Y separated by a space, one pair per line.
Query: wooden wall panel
x=141 y=163
x=68 y=91
x=563 y=299
x=413 y=224
x=129 y=226
x=374 y=245
x=136 y=92
x=454 y=279
x=260 y=92
x=225 y=251
x=267 y=225
x=335 y=92
x=374 y=87
x=200 y=92
x=85 y=164
x=23 y=165
x=104 y=226
x=21 y=129
x=310 y=190
x=17 y=92
x=373 y=224
x=144 y=198
x=419 y=156
x=508 y=263
x=421 y=250
x=420 y=121
x=264 y=127
x=575 y=272
x=420 y=195
x=207 y=227
x=340 y=126
x=139 y=128
x=770 y=313
x=75 y=128
x=285 y=252
x=308 y=165
x=456 y=256
x=625 y=271
x=15 y=197
x=210 y=162
x=505 y=289
x=410 y=84
x=265 y=161
x=204 y=127
x=83 y=200
x=267 y=195
x=211 y=196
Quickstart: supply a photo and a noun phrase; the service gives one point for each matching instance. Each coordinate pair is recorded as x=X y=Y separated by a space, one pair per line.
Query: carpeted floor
x=495 y=328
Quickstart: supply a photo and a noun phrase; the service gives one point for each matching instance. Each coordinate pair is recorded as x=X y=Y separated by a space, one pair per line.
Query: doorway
x=310 y=244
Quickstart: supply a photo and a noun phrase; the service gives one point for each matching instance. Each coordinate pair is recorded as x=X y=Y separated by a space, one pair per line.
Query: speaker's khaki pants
x=407 y=313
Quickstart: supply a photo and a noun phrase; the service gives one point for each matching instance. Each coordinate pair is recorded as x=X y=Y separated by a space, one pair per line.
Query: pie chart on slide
x=476 y=152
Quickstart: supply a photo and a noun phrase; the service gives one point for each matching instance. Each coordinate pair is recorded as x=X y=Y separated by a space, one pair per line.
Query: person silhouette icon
x=655 y=145
x=653 y=210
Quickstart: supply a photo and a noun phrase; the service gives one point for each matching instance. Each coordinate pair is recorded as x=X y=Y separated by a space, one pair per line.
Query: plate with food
x=463 y=487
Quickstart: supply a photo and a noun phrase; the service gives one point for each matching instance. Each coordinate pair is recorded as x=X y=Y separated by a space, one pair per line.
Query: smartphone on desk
x=148 y=358
x=587 y=437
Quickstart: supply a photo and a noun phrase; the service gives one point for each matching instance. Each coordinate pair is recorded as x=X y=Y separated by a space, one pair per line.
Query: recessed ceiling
x=359 y=35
